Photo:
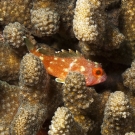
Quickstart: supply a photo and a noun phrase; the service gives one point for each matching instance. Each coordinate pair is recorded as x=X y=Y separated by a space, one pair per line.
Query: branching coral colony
x=32 y=102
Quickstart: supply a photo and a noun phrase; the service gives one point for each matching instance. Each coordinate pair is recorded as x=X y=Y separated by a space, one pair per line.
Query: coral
x=88 y=22
x=9 y=103
x=15 y=11
x=56 y=17
x=127 y=24
x=128 y=78
x=10 y=63
x=66 y=16
x=62 y=122
x=43 y=4
x=23 y=108
x=32 y=110
x=85 y=49
x=28 y=102
x=131 y=133
x=34 y=80
x=77 y=103
x=111 y=39
x=112 y=42
x=14 y=34
x=28 y=119
x=71 y=87
x=31 y=100
x=115 y=38
x=45 y=21
x=117 y=115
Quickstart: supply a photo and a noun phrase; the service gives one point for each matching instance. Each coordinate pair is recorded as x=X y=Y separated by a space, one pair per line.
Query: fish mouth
x=95 y=81
x=102 y=79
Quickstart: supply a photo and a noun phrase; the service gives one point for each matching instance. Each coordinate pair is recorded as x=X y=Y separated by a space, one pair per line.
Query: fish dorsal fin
x=46 y=51
x=70 y=53
x=63 y=53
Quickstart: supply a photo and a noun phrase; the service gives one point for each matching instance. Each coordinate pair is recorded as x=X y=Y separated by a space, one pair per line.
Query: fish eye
x=97 y=71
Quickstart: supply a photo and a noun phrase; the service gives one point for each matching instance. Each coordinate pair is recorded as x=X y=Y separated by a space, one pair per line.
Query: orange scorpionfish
x=58 y=64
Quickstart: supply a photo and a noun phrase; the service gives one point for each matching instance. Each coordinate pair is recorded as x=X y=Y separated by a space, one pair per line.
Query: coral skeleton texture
x=33 y=102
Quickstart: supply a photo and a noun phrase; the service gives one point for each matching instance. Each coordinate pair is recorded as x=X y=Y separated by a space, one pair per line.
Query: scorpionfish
x=58 y=64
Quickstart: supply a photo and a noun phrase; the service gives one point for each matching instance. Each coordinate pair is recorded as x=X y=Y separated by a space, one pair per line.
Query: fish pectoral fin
x=59 y=80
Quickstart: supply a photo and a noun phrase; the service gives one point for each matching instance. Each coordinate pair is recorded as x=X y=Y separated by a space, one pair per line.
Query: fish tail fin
x=29 y=44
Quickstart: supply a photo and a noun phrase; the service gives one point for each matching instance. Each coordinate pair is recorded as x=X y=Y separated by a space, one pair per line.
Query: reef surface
x=32 y=102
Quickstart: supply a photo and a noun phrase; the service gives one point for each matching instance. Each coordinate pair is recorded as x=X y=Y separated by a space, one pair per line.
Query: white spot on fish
x=41 y=58
x=96 y=64
x=50 y=69
x=51 y=62
x=75 y=60
x=63 y=60
x=82 y=68
x=55 y=58
x=72 y=63
x=65 y=70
